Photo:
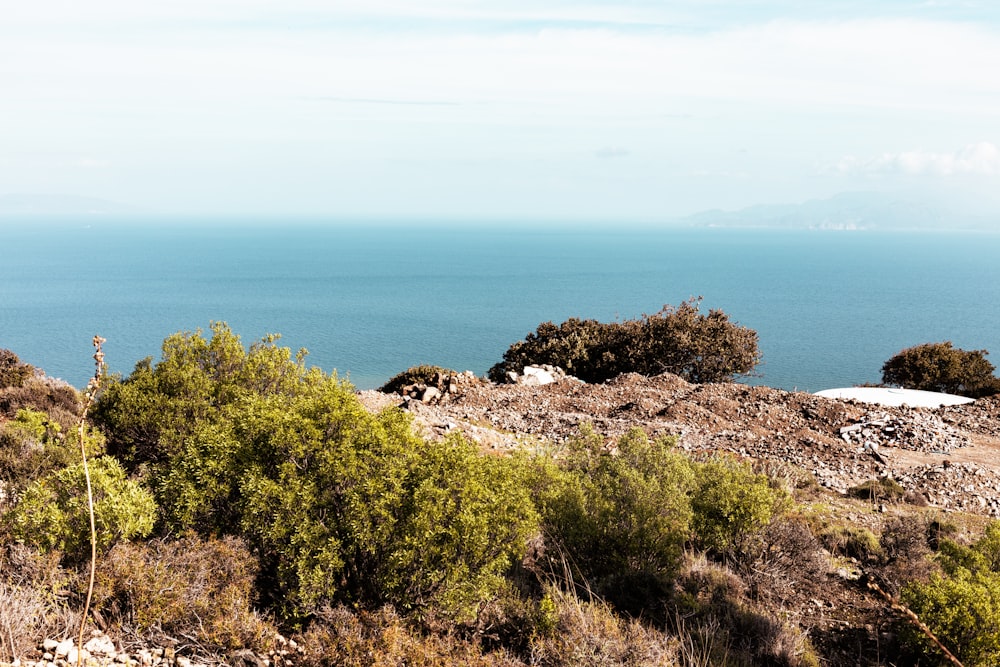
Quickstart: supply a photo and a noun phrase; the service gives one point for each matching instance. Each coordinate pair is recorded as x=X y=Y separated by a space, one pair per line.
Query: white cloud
x=610 y=152
x=982 y=158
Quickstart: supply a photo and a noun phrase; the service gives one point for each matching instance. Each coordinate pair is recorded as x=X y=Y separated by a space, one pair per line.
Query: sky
x=457 y=109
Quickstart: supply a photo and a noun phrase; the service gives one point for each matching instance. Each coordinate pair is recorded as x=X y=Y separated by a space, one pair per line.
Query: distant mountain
x=60 y=205
x=848 y=211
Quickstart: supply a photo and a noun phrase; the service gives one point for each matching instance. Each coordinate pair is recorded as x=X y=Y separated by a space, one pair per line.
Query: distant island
x=848 y=211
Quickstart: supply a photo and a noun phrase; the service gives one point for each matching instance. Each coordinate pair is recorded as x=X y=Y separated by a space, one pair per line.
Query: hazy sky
x=624 y=109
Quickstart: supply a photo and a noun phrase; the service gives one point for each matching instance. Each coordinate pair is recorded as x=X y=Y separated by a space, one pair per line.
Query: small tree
x=13 y=372
x=941 y=367
x=679 y=340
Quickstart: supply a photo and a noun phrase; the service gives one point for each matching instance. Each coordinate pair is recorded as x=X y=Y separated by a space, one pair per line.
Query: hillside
x=949 y=456
x=654 y=522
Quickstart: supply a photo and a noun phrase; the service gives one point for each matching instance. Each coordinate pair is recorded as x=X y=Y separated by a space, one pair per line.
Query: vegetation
x=681 y=340
x=52 y=514
x=239 y=492
x=943 y=368
x=339 y=505
x=423 y=374
x=13 y=373
x=961 y=605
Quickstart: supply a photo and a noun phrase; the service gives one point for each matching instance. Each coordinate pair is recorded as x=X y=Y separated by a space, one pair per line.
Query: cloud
x=91 y=163
x=610 y=152
x=982 y=158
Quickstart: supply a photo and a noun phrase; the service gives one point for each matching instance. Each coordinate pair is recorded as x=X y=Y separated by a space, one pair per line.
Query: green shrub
x=32 y=445
x=852 y=541
x=346 y=506
x=52 y=513
x=423 y=374
x=622 y=511
x=681 y=340
x=731 y=504
x=962 y=605
x=13 y=372
x=883 y=489
x=149 y=415
x=941 y=367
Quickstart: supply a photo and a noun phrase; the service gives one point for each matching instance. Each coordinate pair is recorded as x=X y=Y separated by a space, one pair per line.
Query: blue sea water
x=829 y=307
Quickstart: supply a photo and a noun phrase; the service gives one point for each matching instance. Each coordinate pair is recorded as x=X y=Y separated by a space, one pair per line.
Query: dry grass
x=33 y=602
x=339 y=637
x=193 y=591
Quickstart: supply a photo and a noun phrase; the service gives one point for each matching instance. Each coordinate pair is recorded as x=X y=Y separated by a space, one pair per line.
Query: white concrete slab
x=892 y=397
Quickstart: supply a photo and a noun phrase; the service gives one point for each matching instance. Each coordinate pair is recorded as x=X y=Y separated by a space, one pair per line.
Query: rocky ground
x=946 y=460
x=947 y=457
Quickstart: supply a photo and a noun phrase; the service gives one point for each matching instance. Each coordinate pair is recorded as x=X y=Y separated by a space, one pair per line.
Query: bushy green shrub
x=681 y=340
x=941 y=367
x=339 y=505
x=149 y=415
x=622 y=510
x=52 y=512
x=13 y=372
x=731 y=503
x=961 y=605
x=33 y=445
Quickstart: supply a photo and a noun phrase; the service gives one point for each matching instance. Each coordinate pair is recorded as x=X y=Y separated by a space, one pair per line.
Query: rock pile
x=962 y=486
x=537 y=376
x=441 y=387
x=914 y=431
x=841 y=443
x=101 y=651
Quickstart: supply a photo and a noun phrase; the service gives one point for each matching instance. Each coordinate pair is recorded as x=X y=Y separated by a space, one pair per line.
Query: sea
x=370 y=300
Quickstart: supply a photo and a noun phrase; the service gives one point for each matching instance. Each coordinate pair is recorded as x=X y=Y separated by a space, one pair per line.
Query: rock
x=430 y=394
x=246 y=658
x=62 y=648
x=76 y=655
x=49 y=645
x=101 y=645
x=537 y=376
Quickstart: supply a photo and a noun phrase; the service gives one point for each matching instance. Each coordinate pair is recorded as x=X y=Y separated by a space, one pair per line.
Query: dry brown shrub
x=193 y=590
x=718 y=623
x=783 y=562
x=33 y=600
x=13 y=372
x=341 y=637
x=591 y=634
x=905 y=548
x=58 y=399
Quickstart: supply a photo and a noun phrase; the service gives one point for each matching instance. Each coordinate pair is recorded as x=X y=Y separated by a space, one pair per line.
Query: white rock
x=75 y=656
x=63 y=647
x=101 y=645
x=535 y=376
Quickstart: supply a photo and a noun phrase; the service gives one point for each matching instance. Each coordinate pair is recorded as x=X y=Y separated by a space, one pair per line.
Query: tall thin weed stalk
x=912 y=618
x=89 y=395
